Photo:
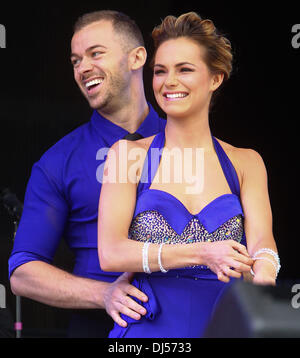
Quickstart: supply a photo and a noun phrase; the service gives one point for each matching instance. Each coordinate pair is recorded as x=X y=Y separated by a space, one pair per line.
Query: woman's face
x=182 y=82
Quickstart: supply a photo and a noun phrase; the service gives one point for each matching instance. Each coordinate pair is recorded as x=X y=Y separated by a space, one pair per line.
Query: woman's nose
x=171 y=80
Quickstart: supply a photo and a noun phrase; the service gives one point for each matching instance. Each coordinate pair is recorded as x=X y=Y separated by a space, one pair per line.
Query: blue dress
x=181 y=301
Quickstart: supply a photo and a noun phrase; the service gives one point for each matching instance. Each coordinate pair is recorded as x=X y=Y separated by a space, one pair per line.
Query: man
x=108 y=54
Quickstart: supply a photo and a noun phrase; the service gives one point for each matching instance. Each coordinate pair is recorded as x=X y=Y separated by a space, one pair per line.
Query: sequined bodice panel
x=151 y=226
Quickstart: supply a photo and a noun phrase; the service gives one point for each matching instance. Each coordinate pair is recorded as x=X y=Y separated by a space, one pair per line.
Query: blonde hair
x=218 y=54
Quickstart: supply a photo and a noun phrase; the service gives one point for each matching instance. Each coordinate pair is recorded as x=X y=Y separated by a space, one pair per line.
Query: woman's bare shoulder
x=243 y=159
x=243 y=153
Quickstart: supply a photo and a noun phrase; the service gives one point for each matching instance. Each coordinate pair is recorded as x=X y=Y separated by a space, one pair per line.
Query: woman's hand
x=263 y=279
x=117 y=300
x=264 y=273
x=227 y=259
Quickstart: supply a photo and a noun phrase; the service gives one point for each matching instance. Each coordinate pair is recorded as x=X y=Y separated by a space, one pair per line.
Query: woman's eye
x=186 y=69
x=157 y=72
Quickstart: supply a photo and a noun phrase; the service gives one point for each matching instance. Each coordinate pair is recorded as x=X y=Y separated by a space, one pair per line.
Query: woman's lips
x=173 y=96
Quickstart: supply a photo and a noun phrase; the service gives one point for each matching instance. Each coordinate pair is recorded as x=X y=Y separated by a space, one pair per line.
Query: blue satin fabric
x=180 y=302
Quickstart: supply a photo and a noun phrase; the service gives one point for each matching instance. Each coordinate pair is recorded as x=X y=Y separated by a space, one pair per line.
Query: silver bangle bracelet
x=267 y=251
x=146 y=267
x=271 y=252
x=159 y=259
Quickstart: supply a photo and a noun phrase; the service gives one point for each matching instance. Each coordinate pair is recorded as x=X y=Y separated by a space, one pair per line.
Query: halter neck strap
x=228 y=168
x=153 y=157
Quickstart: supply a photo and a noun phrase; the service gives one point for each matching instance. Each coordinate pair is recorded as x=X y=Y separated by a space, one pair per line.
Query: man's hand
x=116 y=299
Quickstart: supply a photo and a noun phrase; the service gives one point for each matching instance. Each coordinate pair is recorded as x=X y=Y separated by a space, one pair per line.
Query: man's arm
x=48 y=284
x=45 y=283
x=40 y=230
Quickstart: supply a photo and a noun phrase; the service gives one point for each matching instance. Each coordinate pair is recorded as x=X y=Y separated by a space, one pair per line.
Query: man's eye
x=75 y=62
x=96 y=53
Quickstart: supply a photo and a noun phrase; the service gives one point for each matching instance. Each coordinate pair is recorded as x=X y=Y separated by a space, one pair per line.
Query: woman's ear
x=137 y=58
x=217 y=80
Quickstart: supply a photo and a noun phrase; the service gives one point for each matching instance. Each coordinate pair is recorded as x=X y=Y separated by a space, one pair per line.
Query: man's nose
x=86 y=65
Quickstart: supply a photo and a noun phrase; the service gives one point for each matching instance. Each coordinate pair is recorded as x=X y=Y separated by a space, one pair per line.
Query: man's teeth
x=176 y=95
x=93 y=82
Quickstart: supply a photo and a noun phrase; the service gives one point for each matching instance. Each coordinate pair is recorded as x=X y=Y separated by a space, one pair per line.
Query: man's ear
x=137 y=58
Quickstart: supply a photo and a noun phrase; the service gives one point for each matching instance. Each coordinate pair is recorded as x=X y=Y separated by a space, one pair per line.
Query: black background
x=258 y=107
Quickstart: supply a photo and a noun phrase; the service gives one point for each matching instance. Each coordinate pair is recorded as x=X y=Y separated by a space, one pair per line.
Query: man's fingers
x=116 y=317
x=129 y=312
x=124 y=309
x=134 y=292
x=118 y=300
x=131 y=304
x=128 y=307
x=128 y=276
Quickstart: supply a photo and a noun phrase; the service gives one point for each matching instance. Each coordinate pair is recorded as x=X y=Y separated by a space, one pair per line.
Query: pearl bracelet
x=267 y=251
x=159 y=259
x=270 y=252
x=146 y=267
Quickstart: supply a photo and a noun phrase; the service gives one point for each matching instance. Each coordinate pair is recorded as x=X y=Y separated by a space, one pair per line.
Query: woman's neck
x=192 y=132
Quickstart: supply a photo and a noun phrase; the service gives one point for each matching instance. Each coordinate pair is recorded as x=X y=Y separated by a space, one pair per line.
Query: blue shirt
x=62 y=196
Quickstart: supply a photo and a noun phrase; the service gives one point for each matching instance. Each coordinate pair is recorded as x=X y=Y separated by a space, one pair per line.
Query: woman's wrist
x=197 y=253
x=266 y=261
x=182 y=255
x=264 y=268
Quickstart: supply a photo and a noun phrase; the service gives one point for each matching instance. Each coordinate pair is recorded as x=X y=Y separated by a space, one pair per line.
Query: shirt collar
x=111 y=132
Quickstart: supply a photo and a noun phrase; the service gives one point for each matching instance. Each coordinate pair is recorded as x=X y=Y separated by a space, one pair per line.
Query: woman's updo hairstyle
x=218 y=55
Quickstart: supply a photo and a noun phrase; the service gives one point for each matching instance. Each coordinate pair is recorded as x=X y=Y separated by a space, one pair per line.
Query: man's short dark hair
x=122 y=24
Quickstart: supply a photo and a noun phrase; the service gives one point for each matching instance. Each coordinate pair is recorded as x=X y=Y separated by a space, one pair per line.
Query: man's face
x=100 y=66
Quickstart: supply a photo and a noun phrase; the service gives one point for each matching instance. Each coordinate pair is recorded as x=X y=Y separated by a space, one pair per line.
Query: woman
x=185 y=239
